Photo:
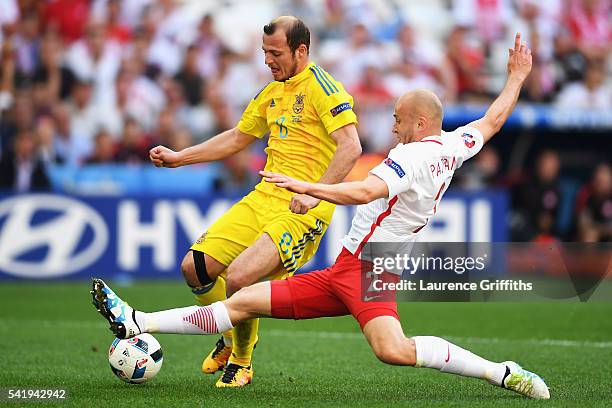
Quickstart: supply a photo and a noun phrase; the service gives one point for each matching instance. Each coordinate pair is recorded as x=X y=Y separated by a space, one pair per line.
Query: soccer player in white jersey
x=397 y=200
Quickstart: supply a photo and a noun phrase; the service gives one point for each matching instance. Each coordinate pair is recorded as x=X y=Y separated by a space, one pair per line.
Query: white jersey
x=417 y=175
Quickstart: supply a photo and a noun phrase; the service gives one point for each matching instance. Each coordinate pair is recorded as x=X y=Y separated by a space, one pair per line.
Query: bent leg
x=380 y=324
x=387 y=339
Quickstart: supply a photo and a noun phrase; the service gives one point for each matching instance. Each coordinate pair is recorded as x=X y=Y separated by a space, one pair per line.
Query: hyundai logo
x=68 y=235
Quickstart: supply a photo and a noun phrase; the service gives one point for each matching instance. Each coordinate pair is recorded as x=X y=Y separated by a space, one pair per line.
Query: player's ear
x=301 y=51
x=421 y=122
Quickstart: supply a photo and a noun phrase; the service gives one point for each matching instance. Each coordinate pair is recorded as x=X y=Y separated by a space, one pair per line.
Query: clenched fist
x=161 y=156
x=301 y=203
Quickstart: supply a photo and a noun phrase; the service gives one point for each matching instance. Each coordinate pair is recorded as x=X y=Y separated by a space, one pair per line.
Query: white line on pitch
x=479 y=340
x=10 y=323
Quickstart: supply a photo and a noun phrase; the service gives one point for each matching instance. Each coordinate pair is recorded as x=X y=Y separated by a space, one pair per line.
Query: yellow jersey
x=300 y=114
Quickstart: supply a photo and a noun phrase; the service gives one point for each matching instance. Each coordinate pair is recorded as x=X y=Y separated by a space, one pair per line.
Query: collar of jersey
x=430 y=137
x=302 y=75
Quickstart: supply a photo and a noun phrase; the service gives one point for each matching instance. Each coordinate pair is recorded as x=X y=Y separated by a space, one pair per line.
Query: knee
x=188 y=271
x=396 y=351
x=200 y=270
x=386 y=353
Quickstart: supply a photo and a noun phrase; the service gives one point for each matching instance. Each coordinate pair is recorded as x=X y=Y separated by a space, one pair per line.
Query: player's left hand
x=519 y=59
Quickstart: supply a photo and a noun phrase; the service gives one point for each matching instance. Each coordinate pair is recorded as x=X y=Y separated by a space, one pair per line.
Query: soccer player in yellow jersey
x=271 y=232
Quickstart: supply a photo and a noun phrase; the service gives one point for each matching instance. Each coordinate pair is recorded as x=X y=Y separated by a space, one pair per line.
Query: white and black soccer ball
x=135 y=360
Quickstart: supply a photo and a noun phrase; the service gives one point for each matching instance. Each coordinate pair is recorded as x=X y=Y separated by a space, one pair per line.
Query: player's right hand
x=519 y=59
x=162 y=156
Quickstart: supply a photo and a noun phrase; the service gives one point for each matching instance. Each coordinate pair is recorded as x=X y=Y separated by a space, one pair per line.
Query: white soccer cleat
x=524 y=382
x=120 y=315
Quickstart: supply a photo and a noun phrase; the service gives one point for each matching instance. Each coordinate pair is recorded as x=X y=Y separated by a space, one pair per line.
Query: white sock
x=435 y=352
x=228 y=341
x=187 y=320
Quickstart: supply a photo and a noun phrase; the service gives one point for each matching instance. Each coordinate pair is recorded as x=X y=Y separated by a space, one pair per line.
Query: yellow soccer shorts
x=296 y=236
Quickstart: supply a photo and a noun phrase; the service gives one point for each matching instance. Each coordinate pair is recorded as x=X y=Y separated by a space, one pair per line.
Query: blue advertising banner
x=54 y=236
x=534 y=116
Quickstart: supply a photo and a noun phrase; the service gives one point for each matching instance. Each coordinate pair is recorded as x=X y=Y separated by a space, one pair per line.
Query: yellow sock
x=244 y=339
x=227 y=338
x=215 y=294
x=212 y=295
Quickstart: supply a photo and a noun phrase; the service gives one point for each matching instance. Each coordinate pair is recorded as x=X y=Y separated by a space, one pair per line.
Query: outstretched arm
x=519 y=66
x=219 y=147
x=355 y=192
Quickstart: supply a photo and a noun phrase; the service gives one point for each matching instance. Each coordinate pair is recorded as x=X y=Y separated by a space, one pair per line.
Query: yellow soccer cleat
x=524 y=382
x=235 y=376
x=217 y=359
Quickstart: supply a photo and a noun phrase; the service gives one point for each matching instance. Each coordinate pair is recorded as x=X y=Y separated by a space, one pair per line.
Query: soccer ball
x=135 y=360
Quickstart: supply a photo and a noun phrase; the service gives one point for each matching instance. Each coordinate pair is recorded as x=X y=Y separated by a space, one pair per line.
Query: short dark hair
x=296 y=31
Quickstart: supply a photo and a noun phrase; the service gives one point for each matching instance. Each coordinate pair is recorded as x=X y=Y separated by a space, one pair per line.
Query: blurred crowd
x=537 y=198
x=102 y=81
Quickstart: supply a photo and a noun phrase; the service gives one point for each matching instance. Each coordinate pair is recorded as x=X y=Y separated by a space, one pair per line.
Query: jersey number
x=283 y=131
x=285 y=242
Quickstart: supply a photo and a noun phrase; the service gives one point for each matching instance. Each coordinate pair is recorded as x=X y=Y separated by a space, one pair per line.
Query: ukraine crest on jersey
x=299 y=114
x=298 y=106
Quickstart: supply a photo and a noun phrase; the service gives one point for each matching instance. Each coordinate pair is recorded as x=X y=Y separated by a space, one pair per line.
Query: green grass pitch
x=51 y=337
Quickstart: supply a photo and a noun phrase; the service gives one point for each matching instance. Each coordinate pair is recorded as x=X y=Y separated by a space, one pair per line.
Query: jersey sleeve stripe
x=319 y=80
x=261 y=90
x=328 y=81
